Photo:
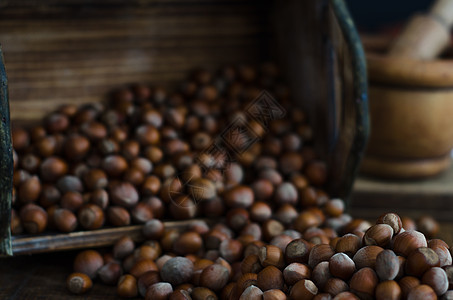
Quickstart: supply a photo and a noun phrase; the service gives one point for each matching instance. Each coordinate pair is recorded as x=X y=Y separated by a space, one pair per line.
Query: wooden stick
x=86 y=239
x=6 y=164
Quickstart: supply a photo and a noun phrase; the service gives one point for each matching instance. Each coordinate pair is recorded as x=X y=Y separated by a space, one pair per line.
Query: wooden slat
x=76 y=51
x=85 y=239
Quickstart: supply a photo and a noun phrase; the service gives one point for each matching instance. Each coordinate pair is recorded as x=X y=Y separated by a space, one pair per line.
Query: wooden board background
x=75 y=51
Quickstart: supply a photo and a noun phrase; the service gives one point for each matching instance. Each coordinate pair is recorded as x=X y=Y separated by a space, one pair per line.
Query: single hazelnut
x=88 y=262
x=366 y=256
x=251 y=264
x=237 y=218
x=64 y=220
x=52 y=168
x=127 y=286
x=110 y=273
x=146 y=280
x=123 y=194
x=243 y=282
x=295 y=272
x=179 y=295
x=239 y=196
x=141 y=213
x=297 y=250
x=363 y=283
x=346 y=296
x=214 y=277
x=142 y=266
x=428 y=225
x=274 y=295
x=33 y=218
x=252 y=293
x=407 y=284
x=437 y=279
x=320 y=274
x=406 y=242
x=177 y=270
x=334 y=207
x=148 y=250
x=387 y=265
x=305 y=220
x=188 y=243
x=303 y=289
x=114 y=165
x=231 y=250
x=319 y=253
x=270 y=255
x=91 y=216
x=118 y=216
x=123 y=247
x=341 y=266
x=153 y=229
x=388 y=290
x=286 y=214
x=335 y=286
x=281 y=241
x=379 y=234
x=421 y=260
x=203 y=293
x=78 y=283
x=29 y=190
x=422 y=291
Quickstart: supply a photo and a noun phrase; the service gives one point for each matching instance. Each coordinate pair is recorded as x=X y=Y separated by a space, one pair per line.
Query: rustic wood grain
x=85 y=239
x=75 y=51
x=434 y=196
x=6 y=164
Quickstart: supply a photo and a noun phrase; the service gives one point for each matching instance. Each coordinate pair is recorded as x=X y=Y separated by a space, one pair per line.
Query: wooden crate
x=75 y=51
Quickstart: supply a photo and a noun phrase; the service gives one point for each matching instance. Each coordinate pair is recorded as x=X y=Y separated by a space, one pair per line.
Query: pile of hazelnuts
x=382 y=261
x=139 y=158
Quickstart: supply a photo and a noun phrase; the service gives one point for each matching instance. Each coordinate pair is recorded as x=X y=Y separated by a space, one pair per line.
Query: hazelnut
x=114 y=165
x=251 y=264
x=286 y=193
x=341 y=266
x=146 y=280
x=262 y=189
x=422 y=291
x=214 y=277
x=127 y=286
x=29 y=190
x=270 y=278
x=428 y=225
x=281 y=241
x=180 y=295
x=110 y=273
x=231 y=250
x=295 y=272
x=33 y=218
x=387 y=265
x=142 y=266
x=270 y=255
x=286 y=214
x=366 y=256
x=252 y=293
x=202 y=293
x=391 y=219
x=407 y=284
x=334 y=207
x=421 y=260
x=177 y=270
x=52 y=168
x=406 y=242
x=123 y=247
x=437 y=279
x=78 y=283
x=123 y=194
x=388 y=290
x=100 y=197
x=88 y=262
x=442 y=250
x=303 y=289
x=72 y=201
x=449 y=271
x=363 y=283
x=147 y=135
x=305 y=220
x=141 y=213
x=149 y=250
x=335 y=286
x=274 y=295
x=237 y=218
x=118 y=216
x=64 y=220
x=319 y=253
x=297 y=251
x=91 y=216
x=379 y=234
x=188 y=243
x=346 y=296
x=321 y=274
x=153 y=229
x=239 y=196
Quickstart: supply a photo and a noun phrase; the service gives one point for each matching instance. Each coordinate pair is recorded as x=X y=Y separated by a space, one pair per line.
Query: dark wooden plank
x=84 y=239
x=372 y=197
x=6 y=164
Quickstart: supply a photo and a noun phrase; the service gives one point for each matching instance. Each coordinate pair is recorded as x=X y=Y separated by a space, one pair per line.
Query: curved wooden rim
x=409 y=72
